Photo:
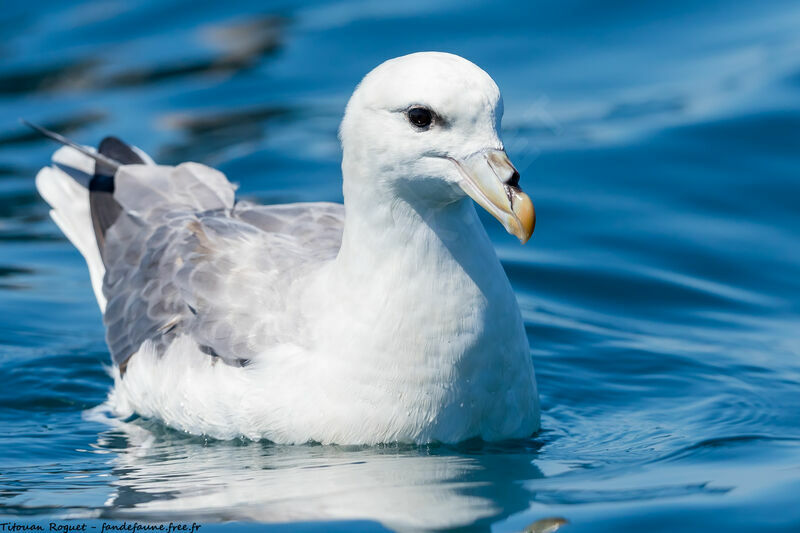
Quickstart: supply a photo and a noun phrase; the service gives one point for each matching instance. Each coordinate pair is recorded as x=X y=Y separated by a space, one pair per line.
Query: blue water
x=661 y=291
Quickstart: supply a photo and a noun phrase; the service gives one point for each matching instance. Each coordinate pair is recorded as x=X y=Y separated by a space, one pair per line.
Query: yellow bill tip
x=523 y=209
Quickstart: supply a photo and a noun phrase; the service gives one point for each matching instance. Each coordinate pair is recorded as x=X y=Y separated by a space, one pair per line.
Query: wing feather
x=182 y=259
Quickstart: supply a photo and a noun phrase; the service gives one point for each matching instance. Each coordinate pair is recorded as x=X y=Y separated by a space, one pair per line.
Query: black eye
x=420 y=117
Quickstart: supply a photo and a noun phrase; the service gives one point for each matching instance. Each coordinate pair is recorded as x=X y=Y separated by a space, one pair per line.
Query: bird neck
x=416 y=297
x=406 y=255
x=410 y=225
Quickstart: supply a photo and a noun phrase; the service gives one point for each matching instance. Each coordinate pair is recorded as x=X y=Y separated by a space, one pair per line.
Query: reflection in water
x=164 y=474
x=53 y=77
x=10 y=273
x=204 y=136
x=239 y=46
x=235 y=47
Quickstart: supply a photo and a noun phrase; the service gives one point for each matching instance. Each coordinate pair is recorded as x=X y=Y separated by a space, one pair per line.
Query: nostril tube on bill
x=513 y=181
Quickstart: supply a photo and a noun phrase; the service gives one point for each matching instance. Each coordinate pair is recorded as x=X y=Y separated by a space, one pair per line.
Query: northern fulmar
x=386 y=319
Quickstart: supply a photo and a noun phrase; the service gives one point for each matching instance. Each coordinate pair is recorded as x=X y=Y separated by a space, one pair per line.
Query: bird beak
x=490 y=179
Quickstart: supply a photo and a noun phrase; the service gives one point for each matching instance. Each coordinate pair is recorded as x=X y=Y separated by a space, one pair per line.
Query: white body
x=411 y=333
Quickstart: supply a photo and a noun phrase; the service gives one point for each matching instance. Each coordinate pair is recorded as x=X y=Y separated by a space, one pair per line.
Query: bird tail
x=79 y=186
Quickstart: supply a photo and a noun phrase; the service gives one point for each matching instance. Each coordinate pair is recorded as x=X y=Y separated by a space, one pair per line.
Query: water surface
x=661 y=295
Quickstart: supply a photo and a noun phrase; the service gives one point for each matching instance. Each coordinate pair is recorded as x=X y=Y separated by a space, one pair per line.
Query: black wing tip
x=118 y=150
x=42 y=130
x=98 y=157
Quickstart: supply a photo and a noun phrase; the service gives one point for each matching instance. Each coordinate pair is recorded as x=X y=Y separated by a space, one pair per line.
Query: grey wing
x=315 y=227
x=183 y=260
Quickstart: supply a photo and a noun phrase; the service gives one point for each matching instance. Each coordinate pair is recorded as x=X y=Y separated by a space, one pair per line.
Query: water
x=661 y=292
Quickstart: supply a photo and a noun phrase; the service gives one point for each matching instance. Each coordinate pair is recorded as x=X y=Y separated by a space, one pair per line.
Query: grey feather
x=182 y=260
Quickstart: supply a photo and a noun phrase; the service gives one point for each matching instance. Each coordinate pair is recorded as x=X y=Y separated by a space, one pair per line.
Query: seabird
x=386 y=319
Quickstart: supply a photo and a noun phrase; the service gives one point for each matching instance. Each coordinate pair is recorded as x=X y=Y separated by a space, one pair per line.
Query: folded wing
x=184 y=259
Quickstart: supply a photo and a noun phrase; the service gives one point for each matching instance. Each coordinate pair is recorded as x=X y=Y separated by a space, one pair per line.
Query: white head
x=425 y=127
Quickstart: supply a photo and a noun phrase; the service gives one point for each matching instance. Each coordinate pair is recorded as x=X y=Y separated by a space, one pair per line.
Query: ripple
x=659 y=293
x=206 y=135
x=712 y=447
x=577 y=496
x=241 y=46
x=66 y=126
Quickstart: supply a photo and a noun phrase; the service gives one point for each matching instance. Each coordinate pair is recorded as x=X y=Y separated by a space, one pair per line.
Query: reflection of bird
x=159 y=474
x=295 y=322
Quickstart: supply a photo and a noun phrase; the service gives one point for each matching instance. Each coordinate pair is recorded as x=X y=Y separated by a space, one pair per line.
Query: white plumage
x=388 y=319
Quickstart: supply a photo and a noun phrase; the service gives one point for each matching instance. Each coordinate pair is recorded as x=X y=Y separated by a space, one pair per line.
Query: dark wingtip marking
x=101 y=183
x=105 y=209
x=115 y=149
x=99 y=158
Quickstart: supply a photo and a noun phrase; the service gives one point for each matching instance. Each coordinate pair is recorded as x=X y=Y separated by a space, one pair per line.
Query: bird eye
x=420 y=117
